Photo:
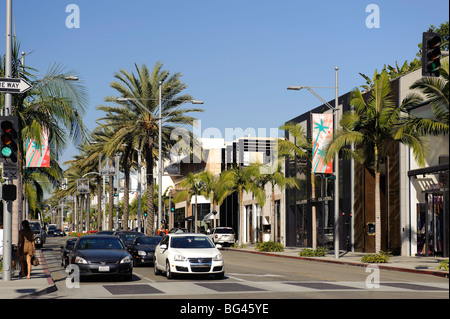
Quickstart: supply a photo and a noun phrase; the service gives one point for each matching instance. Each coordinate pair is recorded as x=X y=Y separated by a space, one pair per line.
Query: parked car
x=127 y=236
x=66 y=249
x=142 y=249
x=101 y=255
x=223 y=236
x=39 y=232
x=188 y=253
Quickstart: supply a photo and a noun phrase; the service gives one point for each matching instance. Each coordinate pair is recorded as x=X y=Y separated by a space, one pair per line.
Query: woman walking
x=26 y=248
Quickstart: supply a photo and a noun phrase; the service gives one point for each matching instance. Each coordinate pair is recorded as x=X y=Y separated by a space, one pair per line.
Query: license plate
x=103 y=268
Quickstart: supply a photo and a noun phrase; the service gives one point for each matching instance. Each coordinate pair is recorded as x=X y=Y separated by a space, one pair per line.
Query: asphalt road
x=252 y=276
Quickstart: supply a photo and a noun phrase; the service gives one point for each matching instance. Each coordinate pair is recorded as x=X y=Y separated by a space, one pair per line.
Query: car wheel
x=155 y=268
x=169 y=274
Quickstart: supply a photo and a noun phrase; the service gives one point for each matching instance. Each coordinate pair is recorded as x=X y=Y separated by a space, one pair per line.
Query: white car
x=188 y=253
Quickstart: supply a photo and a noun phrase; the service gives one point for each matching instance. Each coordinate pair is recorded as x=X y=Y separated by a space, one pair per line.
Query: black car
x=66 y=249
x=101 y=255
x=142 y=249
x=59 y=232
x=128 y=236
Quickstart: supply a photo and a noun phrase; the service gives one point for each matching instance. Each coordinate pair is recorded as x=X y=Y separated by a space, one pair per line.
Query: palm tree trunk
x=111 y=202
x=195 y=215
x=126 y=195
x=377 y=203
x=377 y=213
x=273 y=226
x=99 y=202
x=241 y=219
x=150 y=207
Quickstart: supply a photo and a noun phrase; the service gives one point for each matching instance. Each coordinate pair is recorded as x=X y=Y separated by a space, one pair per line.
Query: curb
x=349 y=263
x=52 y=286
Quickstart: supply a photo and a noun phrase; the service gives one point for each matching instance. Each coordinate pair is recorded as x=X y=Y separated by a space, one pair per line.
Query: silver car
x=223 y=236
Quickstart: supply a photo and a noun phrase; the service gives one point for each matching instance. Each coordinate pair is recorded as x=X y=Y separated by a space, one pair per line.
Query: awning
x=428 y=170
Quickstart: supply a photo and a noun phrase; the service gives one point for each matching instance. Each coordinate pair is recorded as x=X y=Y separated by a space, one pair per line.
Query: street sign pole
x=7 y=213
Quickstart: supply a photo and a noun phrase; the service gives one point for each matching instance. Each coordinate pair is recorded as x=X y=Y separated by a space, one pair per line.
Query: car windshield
x=100 y=243
x=191 y=242
x=35 y=227
x=148 y=240
x=129 y=237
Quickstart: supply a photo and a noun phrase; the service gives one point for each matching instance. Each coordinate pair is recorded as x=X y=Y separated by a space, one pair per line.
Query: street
x=250 y=276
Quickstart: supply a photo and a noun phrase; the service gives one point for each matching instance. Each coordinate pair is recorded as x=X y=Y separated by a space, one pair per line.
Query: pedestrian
x=26 y=248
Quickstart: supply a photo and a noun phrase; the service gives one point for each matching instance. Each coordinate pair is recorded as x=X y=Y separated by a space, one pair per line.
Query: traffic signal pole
x=7 y=213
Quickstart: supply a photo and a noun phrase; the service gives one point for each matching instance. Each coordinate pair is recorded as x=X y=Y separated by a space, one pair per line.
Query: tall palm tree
x=370 y=127
x=238 y=179
x=135 y=119
x=53 y=104
x=212 y=188
x=276 y=178
x=190 y=186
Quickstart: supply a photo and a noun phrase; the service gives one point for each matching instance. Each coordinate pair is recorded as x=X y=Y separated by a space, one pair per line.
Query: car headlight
x=125 y=260
x=179 y=258
x=79 y=260
x=142 y=253
x=218 y=257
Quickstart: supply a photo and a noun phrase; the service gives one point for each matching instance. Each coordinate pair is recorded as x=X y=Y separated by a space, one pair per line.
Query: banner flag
x=38 y=155
x=322 y=134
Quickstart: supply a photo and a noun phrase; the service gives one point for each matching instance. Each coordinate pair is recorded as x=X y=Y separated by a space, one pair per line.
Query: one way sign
x=14 y=85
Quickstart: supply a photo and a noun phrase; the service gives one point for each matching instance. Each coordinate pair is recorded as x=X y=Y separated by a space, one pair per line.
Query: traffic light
x=9 y=135
x=172 y=207
x=115 y=192
x=9 y=192
x=145 y=213
x=431 y=54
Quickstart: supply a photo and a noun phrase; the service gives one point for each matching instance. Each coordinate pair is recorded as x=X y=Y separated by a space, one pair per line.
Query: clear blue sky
x=238 y=56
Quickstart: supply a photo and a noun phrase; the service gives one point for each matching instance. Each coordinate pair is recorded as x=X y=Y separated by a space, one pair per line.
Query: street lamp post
x=335 y=110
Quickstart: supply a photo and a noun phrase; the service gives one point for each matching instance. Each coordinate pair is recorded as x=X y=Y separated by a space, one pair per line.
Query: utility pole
x=7 y=213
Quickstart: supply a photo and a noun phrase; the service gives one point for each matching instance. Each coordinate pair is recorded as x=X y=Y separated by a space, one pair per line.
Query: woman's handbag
x=34 y=261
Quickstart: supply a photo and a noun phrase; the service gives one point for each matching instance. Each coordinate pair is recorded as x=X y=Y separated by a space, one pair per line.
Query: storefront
x=431 y=213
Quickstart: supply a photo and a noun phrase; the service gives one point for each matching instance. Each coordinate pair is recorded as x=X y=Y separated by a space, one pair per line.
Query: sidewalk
x=415 y=264
x=40 y=282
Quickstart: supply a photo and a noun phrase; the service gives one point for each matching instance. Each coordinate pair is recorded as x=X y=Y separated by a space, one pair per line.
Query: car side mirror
x=163 y=246
x=218 y=246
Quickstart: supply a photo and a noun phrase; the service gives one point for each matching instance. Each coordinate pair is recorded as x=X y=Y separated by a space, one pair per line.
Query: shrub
x=318 y=252
x=380 y=258
x=443 y=265
x=269 y=246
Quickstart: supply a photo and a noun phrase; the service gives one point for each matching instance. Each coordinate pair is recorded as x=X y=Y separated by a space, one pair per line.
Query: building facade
x=414 y=200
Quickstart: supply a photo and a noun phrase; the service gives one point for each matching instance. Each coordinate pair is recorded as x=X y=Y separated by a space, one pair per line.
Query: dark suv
x=39 y=233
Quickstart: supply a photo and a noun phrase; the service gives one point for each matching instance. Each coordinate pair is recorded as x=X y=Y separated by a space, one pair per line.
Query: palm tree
x=433 y=91
x=276 y=178
x=300 y=147
x=135 y=120
x=212 y=188
x=238 y=179
x=53 y=104
x=190 y=186
x=370 y=127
